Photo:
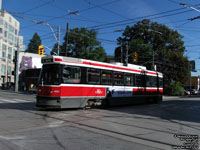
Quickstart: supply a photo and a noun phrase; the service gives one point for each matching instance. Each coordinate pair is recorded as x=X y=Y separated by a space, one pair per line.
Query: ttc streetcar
x=67 y=82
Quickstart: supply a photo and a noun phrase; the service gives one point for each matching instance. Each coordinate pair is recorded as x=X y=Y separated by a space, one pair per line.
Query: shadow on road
x=181 y=110
x=18 y=106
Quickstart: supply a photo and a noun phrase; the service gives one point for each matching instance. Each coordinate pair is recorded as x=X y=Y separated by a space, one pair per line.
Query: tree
x=82 y=43
x=34 y=44
x=54 y=51
x=156 y=44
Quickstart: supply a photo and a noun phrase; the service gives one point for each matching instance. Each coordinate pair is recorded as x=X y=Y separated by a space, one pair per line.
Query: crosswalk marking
x=13 y=101
x=22 y=100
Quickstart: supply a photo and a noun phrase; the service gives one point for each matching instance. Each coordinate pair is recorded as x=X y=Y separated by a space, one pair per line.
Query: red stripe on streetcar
x=71 y=91
x=58 y=59
x=106 y=66
x=116 y=67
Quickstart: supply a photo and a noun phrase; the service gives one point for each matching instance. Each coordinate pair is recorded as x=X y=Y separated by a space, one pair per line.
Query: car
x=186 y=92
x=194 y=92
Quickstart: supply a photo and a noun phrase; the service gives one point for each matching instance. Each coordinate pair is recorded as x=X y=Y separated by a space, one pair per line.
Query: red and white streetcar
x=67 y=82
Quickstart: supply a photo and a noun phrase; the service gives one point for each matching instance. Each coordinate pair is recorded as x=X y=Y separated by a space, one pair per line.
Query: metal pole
x=153 y=60
x=190 y=84
x=58 y=41
x=17 y=67
x=121 y=53
x=126 y=53
x=7 y=69
x=67 y=34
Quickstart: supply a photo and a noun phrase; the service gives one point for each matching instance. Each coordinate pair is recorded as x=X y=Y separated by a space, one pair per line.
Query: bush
x=176 y=89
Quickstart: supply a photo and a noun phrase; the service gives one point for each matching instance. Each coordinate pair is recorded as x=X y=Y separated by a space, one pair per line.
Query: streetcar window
x=134 y=80
x=106 y=77
x=71 y=74
x=50 y=75
x=118 y=78
x=93 y=76
x=151 y=81
x=128 y=79
x=139 y=80
x=160 y=82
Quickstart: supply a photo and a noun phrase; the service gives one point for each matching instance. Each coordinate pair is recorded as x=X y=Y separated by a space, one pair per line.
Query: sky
x=107 y=17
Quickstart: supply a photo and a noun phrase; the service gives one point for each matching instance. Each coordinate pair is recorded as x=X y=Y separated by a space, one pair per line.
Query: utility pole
x=58 y=41
x=121 y=52
x=126 y=55
x=17 y=67
x=153 y=64
x=67 y=36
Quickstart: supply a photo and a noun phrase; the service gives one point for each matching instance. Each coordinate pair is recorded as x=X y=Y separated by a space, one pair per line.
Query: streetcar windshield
x=50 y=75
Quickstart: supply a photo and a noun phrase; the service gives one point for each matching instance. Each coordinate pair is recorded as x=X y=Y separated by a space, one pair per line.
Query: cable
x=144 y=17
x=114 y=25
x=173 y=1
x=108 y=3
x=117 y=14
x=39 y=6
x=138 y=18
x=182 y=24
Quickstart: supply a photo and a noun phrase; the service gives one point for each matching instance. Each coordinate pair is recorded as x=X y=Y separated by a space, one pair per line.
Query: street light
x=46 y=24
x=153 y=53
x=58 y=35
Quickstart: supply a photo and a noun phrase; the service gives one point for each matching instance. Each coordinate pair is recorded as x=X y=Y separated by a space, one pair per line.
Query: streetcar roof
x=96 y=64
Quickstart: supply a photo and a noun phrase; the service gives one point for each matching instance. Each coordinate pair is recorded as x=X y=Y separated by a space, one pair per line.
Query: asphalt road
x=137 y=127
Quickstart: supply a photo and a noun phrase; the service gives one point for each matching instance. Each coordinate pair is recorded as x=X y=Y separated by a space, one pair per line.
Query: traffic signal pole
x=17 y=67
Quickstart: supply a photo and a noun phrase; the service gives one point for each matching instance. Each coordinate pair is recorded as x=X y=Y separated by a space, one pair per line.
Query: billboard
x=29 y=61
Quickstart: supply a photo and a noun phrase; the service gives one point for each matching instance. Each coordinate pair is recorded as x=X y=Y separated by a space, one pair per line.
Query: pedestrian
x=23 y=86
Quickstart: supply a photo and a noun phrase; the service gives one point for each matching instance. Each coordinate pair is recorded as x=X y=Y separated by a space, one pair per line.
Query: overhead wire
x=173 y=1
x=108 y=10
x=82 y=10
x=136 y=19
x=133 y=19
x=39 y=6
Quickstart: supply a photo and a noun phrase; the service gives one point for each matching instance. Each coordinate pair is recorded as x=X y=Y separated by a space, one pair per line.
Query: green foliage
x=152 y=40
x=176 y=89
x=34 y=44
x=82 y=43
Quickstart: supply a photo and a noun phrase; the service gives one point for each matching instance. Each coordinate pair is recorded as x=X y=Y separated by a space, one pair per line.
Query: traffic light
x=41 y=50
x=135 y=57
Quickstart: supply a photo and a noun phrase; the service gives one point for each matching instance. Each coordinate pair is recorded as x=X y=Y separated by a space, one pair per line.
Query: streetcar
x=67 y=82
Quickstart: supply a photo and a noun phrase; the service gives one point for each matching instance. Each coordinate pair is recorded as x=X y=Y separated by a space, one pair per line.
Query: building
x=193 y=83
x=9 y=35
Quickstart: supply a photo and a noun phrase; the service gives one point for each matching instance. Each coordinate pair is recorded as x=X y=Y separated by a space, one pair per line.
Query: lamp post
x=56 y=37
x=46 y=24
x=153 y=52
